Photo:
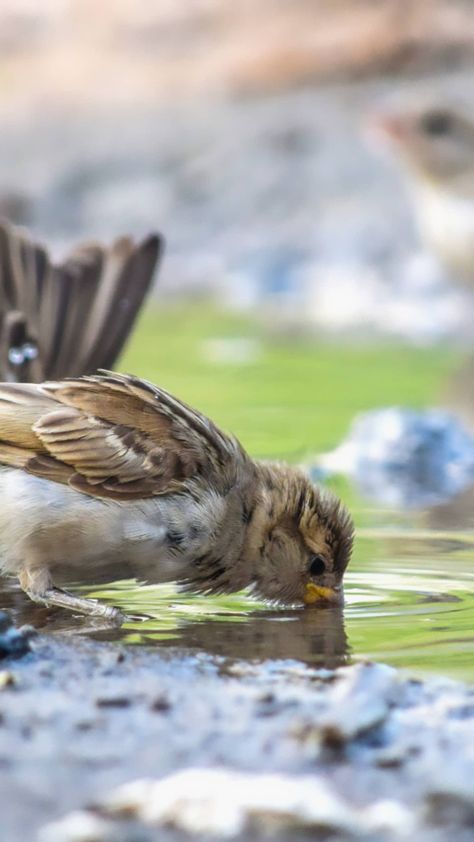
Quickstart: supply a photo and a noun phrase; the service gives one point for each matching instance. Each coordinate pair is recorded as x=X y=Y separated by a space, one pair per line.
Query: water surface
x=409 y=602
x=409 y=588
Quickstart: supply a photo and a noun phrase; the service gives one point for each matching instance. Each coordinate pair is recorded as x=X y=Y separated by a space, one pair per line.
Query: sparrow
x=109 y=468
x=435 y=145
x=71 y=318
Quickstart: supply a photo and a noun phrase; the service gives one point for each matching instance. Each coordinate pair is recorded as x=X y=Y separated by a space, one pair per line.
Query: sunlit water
x=409 y=601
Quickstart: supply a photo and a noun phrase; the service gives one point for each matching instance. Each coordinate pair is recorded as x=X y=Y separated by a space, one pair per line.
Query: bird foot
x=91 y=607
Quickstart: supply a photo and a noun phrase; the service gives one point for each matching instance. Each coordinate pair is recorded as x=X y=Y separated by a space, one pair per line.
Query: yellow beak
x=315 y=593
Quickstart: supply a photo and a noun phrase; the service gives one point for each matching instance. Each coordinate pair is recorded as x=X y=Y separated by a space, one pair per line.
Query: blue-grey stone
x=405 y=458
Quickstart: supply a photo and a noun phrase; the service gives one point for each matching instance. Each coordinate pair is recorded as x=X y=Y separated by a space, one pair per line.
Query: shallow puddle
x=409 y=602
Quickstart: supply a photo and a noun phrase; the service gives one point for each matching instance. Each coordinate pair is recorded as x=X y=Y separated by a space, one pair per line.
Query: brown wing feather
x=21 y=405
x=124 y=399
x=102 y=452
x=112 y=436
x=15 y=457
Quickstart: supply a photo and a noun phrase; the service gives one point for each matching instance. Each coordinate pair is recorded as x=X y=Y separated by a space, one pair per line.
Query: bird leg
x=39 y=587
x=91 y=607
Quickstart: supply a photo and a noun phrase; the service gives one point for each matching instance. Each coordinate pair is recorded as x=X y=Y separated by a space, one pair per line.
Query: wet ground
x=360 y=753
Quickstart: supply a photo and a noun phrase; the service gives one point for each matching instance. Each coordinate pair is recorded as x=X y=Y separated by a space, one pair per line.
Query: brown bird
x=435 y=144
x=110 y=468
x=71 y=318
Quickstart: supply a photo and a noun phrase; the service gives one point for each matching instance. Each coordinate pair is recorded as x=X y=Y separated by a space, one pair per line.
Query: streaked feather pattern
x=112 y=436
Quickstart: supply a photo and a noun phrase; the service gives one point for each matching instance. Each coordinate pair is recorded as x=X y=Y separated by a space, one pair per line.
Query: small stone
x=5 y=621
x=358 y=702
x=13 y=641
x=79 y=826
x=161 y=705
x=7 y=679
x=221 y=802
x=114 y=702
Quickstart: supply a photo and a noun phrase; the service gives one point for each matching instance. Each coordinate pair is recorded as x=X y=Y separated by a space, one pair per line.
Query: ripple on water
x=409 y=602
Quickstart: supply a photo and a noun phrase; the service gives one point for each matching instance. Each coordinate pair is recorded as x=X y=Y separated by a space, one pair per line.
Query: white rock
x=79 y=826
x=221 y=802
x=359 y=700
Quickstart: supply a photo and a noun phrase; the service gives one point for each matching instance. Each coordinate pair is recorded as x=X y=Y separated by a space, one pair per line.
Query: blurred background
x=296 y=291
x=243 y=132
x=239 y=131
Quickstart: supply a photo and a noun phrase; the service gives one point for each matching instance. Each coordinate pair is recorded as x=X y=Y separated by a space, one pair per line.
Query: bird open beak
x=315 y=593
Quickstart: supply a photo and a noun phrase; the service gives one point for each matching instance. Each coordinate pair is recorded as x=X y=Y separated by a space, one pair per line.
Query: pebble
x=13 y=641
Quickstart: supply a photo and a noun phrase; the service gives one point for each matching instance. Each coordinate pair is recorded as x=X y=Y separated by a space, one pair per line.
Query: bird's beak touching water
x=316 y=593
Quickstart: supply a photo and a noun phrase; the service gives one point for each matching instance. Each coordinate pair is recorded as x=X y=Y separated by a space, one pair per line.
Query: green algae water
x=409 y=590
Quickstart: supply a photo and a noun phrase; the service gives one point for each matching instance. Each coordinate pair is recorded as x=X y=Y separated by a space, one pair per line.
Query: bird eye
x=436 y=123
x=317 y=565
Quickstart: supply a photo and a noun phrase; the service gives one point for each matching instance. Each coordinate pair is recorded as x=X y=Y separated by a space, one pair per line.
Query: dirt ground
x=79 y=718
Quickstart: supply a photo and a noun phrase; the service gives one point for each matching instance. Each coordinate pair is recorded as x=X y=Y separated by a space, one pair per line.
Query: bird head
x=300 y=539
x=436 y=142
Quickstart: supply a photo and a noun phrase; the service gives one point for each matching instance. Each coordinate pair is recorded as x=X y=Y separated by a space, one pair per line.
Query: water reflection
x=315 y=636
x=409 y=602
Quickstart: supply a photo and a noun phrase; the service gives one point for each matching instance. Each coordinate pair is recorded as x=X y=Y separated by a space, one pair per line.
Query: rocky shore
x=101 y=742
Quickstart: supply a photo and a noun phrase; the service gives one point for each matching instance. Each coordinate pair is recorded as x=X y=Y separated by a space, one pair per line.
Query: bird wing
x=73 y=317
x=112 y=436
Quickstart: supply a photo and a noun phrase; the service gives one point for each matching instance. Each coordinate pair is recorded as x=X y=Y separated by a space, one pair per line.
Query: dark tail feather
x=69 y=319
x=127 y=275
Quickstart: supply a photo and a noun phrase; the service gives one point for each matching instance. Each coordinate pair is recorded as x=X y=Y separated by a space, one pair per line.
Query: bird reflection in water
x=315 y=636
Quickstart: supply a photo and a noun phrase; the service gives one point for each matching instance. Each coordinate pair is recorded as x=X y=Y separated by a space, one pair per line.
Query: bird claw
x=90 y=607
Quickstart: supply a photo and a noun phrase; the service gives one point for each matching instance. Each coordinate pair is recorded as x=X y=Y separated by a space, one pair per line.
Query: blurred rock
x=79 y=826
x=13 y=642
x=407 y=300
x=360 y=703
x=405 y=458
x=268 y=746
x=228 y=804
